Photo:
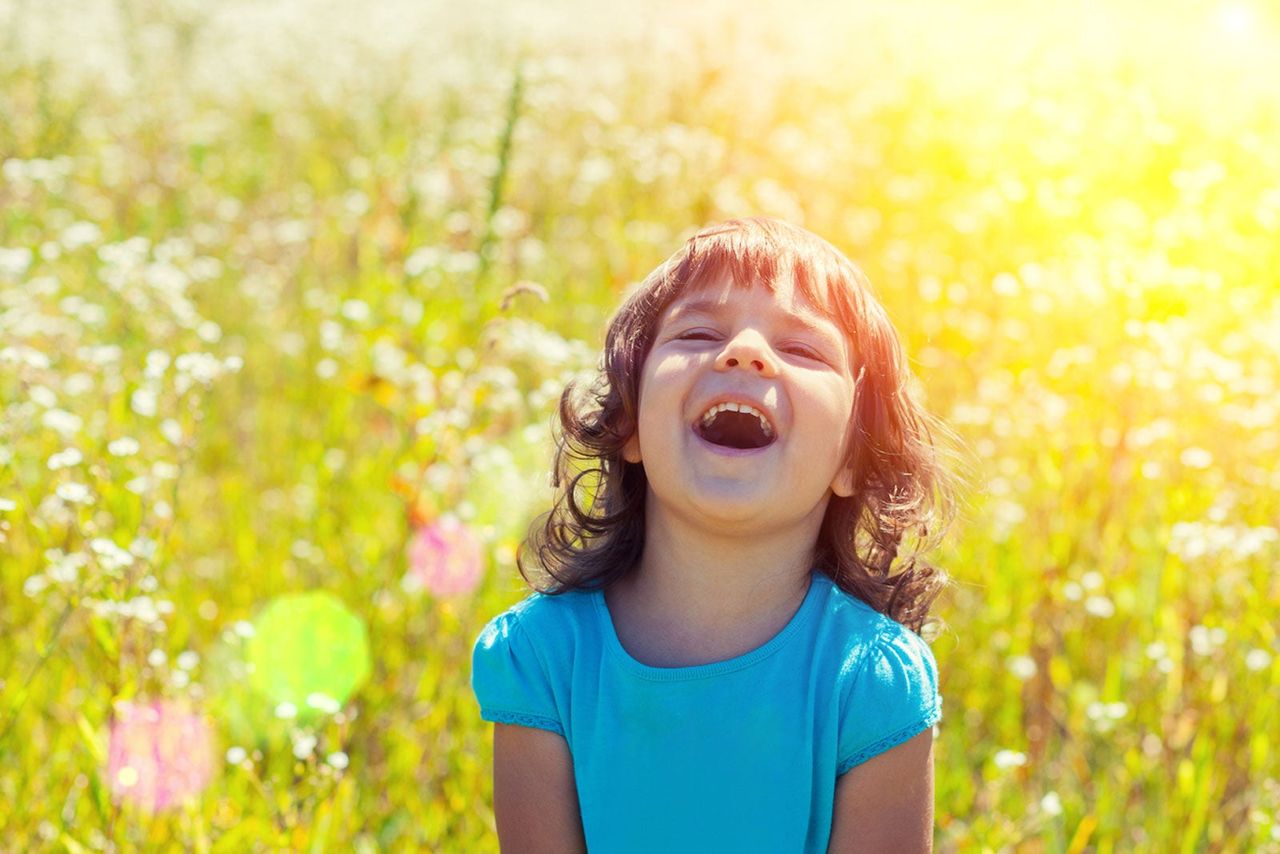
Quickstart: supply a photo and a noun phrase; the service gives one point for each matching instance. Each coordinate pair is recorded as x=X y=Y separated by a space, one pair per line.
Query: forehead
x=712 y=295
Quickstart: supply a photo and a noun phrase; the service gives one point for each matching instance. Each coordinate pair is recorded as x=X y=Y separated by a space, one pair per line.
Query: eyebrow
x=808 y=321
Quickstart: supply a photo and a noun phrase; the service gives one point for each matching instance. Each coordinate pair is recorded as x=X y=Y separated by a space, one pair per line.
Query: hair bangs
x=772 y=254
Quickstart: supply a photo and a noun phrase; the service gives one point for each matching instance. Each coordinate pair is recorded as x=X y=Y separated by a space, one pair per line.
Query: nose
x=748 y=347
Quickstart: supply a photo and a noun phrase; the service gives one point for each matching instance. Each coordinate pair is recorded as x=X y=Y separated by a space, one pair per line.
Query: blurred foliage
x=280 y=283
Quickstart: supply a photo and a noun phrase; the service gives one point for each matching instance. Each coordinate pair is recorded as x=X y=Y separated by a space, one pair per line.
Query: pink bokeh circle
x=445 y=558
x=159 y=753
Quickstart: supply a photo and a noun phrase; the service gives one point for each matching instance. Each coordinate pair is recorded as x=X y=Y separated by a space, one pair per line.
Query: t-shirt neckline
x=817 y=583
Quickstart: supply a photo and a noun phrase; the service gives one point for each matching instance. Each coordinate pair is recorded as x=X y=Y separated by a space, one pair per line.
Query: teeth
x=739 y=407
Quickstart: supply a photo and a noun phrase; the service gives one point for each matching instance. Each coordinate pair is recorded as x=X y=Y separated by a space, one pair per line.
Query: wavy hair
x=594 y=533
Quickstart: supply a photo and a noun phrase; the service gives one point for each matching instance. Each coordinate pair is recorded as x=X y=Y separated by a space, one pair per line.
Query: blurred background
x=288 y=292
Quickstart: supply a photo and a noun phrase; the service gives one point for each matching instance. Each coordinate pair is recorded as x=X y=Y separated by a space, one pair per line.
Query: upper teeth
x=738 y=407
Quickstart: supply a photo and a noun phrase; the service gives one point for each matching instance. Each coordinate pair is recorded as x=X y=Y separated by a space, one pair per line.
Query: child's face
x=746 y=346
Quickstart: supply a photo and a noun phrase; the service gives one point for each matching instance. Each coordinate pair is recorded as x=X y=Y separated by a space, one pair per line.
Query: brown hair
x=900 y=485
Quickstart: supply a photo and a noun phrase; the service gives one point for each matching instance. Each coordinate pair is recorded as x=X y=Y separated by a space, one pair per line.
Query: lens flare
x=307 y=645
x=445 y=558
x=159 y=754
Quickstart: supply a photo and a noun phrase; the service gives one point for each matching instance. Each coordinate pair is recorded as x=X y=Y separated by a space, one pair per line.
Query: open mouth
x=741 y=430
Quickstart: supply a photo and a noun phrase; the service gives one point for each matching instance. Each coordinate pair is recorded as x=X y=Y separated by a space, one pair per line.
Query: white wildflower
x=1196 y=458
x=201 y=367
x=143 y=546
x=422 y=260
x=164 y=470
x=78 y=383
x=110 y=556
x=43 y=395
x=1201 y=642
x=171 y=430
x=74 y=493
x=1099 y=606
x=209 y=332
x=461 y=263
x=125 y=446
x=65 y=458
x=355 y=310
x=79 y=234
x=15 y=261
x=303 y=746
x=1022 y=666
x=143 y=401
x=157 y=363
x=1006 y=759
x=142 y=608
x=1257 y=659
x=324 y=703
x=60 y=421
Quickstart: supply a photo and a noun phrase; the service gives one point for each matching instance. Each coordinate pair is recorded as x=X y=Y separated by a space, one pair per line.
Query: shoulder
x=539 y=620
x=886 y=678
x=522 y=659
x=895 y=661
x=855 y=632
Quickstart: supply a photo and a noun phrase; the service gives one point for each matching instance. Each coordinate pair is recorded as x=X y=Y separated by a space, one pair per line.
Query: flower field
x=289 y=292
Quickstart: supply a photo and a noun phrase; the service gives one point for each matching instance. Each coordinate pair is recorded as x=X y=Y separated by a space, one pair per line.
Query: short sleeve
x=893 y=696
x=509 y=679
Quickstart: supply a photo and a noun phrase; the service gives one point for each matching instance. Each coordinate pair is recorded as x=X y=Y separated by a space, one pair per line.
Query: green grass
x=1072 y=217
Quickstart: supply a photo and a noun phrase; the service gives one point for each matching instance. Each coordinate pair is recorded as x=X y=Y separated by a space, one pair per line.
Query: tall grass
x=258 y=331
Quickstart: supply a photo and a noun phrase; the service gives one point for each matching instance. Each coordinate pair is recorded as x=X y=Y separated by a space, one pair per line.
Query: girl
x=721 y=660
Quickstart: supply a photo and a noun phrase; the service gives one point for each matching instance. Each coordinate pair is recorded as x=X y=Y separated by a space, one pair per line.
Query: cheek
x=664 y=379
x=666 y=366
x=659 y=395
x=827 y=427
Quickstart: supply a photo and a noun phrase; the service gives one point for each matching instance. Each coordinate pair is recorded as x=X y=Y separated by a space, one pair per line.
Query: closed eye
x=803 y=351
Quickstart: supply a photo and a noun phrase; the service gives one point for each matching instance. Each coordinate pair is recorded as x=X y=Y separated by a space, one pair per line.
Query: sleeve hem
x=523 y=719
x=893 y=739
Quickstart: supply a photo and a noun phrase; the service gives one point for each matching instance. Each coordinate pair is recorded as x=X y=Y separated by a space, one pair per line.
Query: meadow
x=289 y=292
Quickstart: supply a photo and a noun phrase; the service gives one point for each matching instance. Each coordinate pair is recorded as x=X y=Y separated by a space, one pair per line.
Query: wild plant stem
x=498 y=184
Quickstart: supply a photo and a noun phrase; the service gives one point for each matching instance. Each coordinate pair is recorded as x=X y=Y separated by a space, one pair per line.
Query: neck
x=701 y=594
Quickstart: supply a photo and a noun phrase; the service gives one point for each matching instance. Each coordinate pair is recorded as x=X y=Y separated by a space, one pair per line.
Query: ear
x=842 y=483
x=631 y=450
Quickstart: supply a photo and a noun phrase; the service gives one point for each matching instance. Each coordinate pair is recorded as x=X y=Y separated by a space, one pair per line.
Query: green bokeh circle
x=304 y=644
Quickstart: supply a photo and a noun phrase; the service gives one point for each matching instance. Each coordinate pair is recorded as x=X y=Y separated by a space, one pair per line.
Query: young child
x=722 y=661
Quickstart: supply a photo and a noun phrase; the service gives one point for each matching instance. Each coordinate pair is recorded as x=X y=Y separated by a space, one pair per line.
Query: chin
x=731 y=509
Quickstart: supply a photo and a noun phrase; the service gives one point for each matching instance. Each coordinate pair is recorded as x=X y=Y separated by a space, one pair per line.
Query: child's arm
x=886 y=803
x=534 y=795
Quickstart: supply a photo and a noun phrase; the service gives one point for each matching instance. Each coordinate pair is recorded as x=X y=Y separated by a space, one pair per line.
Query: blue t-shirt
x=739 y=755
